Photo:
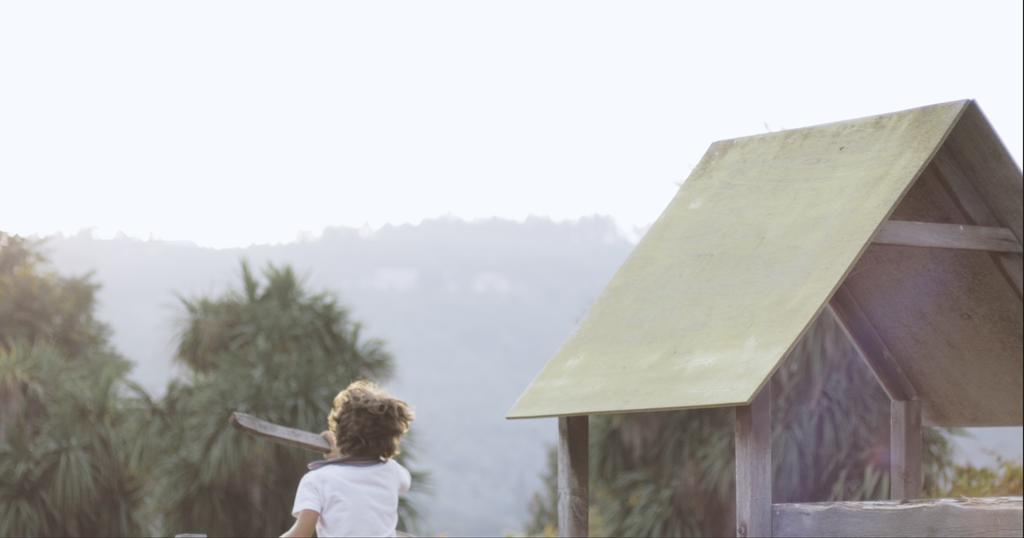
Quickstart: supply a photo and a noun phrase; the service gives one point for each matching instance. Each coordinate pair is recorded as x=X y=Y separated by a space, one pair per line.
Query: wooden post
x=905 y=449
x=573 y=476
x=754 y=466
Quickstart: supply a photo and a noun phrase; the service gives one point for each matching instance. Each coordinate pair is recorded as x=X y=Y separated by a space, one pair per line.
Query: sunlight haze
x=233 y=123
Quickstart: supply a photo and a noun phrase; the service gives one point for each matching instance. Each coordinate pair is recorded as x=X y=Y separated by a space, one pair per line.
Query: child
x=355 y=491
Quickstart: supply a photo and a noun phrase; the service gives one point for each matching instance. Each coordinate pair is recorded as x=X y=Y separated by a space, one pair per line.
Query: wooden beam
x=280 y=434
x=573 y=476
x=872 y=349
x=754 y=466
x=992 y=516
x=955 y=236
x=905 y=439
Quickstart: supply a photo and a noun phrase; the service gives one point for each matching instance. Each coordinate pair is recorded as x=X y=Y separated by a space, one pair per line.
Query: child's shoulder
x=393 y=463
x=319 y=472
x=402 y=474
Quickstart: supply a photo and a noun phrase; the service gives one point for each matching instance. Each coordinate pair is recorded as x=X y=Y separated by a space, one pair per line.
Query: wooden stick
x=280 y=434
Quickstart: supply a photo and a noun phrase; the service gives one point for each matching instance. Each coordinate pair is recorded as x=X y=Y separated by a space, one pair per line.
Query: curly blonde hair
x=366 y=422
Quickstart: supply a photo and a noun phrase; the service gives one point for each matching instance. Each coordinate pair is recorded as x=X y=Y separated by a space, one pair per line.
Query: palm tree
x=272 y=349
x=64 y=465
x=41 y=306
x=671 y=473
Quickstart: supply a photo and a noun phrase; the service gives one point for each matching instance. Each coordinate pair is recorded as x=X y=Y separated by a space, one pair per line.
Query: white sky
x=228 y=123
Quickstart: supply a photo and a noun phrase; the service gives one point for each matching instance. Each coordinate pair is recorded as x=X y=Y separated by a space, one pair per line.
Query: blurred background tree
x=65 y=456
x=671 y=473
x=86 y=452
x=1004 y=478
x=272 y=349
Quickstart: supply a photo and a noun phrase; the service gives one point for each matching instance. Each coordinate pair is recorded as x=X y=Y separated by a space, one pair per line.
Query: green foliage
x=42 y=306
x=271 y=349
x=671 y=473
x=544 y=504
x=65 y=465
x=1005 y=478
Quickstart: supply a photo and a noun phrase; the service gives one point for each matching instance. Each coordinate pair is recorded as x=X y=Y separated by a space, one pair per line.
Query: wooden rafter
x=872 y=349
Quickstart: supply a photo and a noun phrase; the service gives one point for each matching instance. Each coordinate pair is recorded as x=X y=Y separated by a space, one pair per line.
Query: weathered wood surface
x=995 y=516
x=754 y=466
x=573 y=476
x=905 y=440
x=280 y=434
x=872 y=349
x=941 y=235
x=948 y=317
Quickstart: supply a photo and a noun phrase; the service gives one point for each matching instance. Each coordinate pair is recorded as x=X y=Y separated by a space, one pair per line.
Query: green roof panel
x=738 y=265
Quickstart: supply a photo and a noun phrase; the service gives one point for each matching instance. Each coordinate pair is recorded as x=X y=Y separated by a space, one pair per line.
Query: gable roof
x=739 y=264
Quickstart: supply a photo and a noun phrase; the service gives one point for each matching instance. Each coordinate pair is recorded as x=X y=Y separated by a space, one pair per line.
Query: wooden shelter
x=906 y=227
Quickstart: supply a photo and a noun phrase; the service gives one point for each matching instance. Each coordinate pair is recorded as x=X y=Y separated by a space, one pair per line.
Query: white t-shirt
x=353 y=500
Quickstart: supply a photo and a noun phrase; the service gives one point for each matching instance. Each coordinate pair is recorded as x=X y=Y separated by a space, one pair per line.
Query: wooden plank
x=280 y=434
x=941 y=235
x=573 y=476
x=754 y=466
x=905 y=439
x=993 y=516
x=870 y=345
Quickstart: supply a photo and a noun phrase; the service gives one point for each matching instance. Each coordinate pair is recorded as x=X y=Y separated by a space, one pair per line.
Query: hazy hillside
x=470 y=310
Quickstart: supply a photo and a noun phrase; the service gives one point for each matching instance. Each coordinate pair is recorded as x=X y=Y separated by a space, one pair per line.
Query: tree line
x=84 y=451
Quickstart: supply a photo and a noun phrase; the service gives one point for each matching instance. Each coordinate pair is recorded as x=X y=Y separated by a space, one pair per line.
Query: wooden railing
x=988 y=516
